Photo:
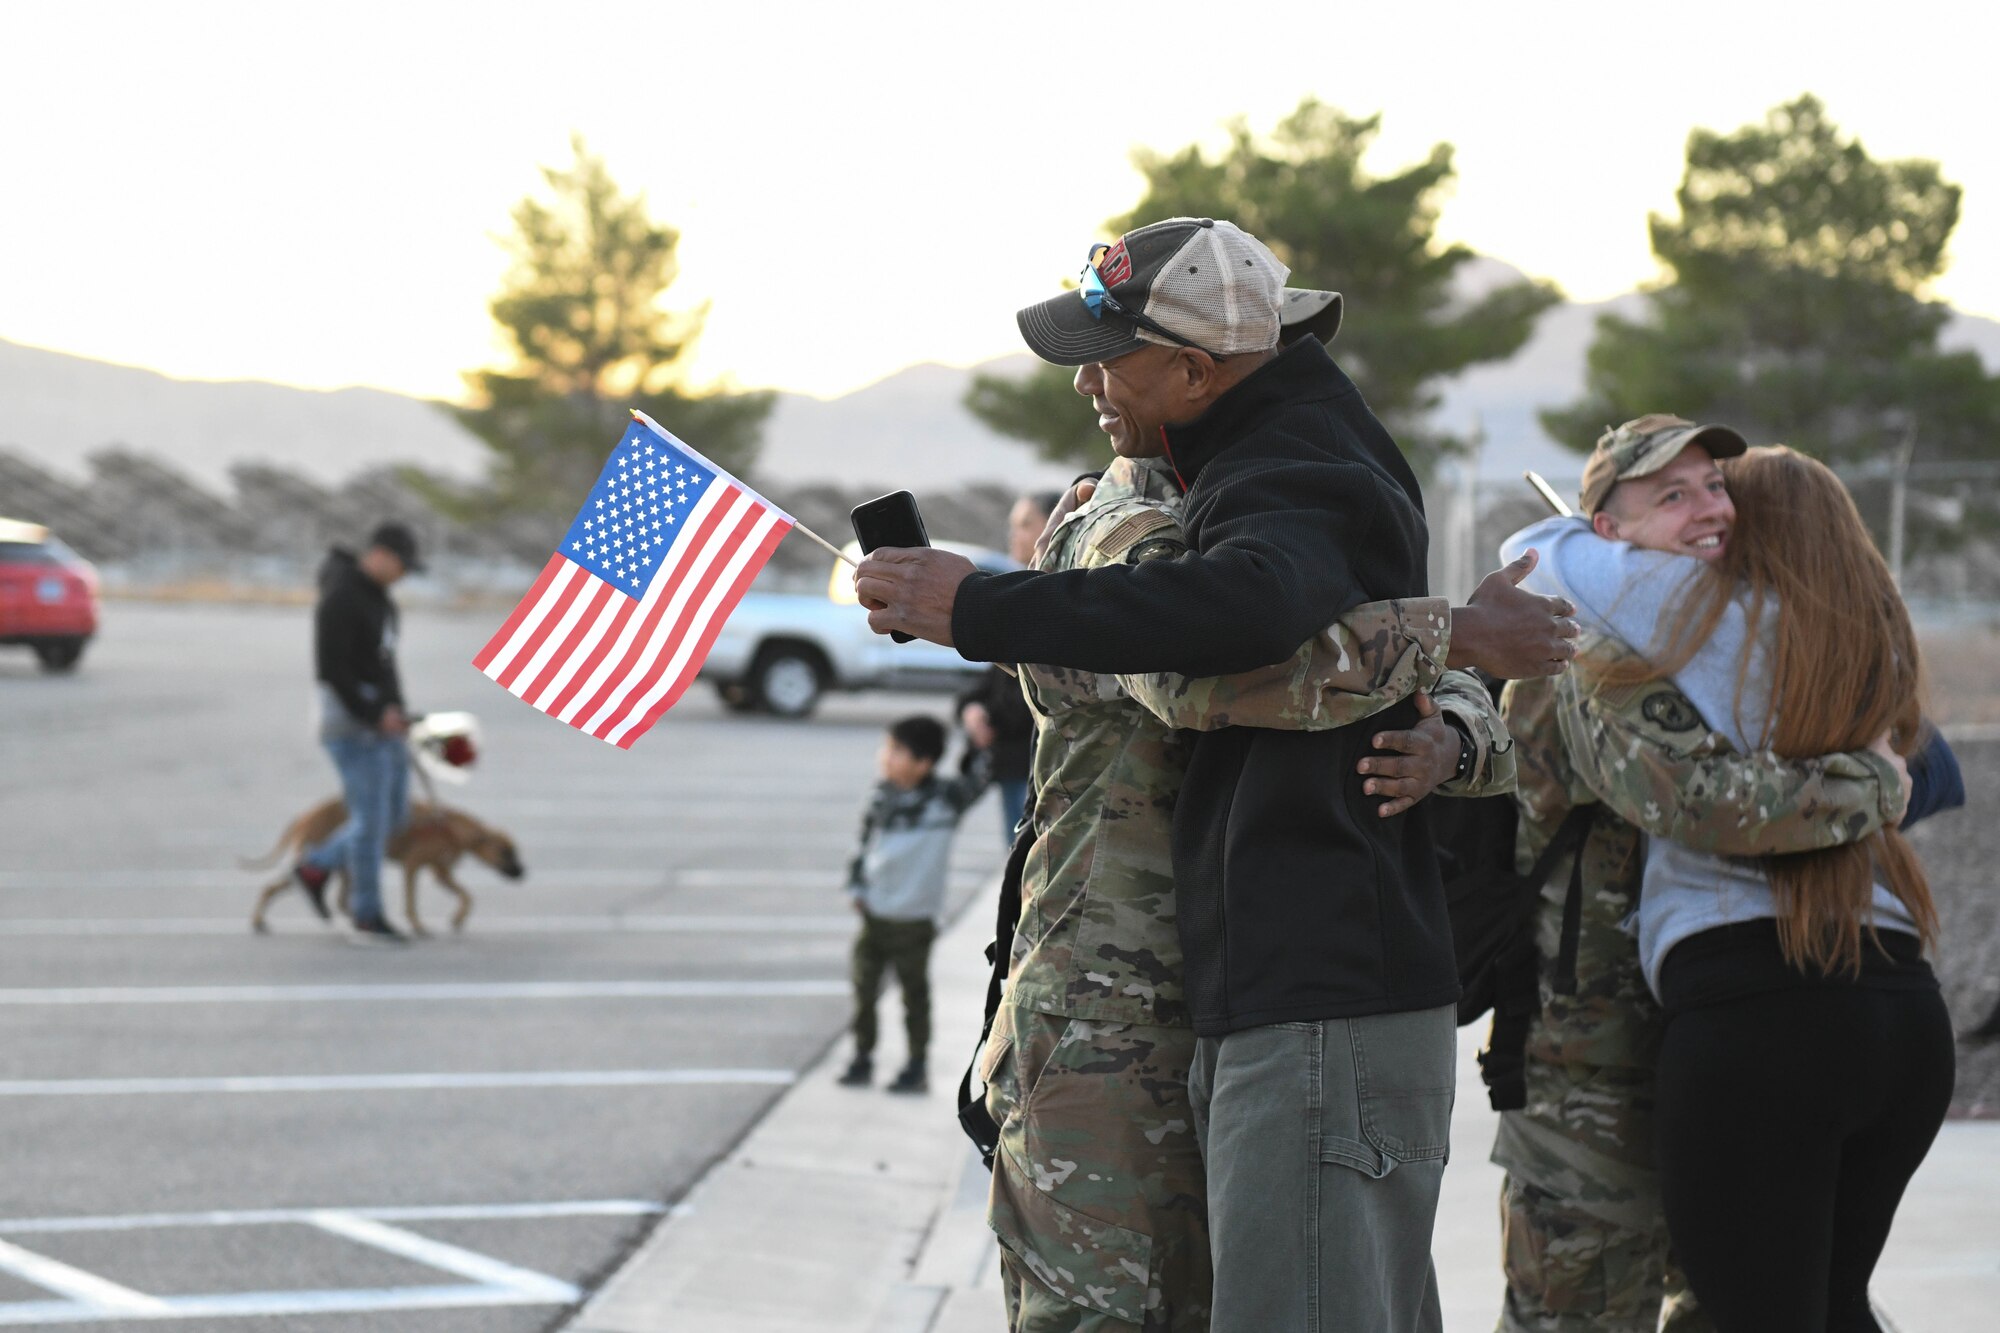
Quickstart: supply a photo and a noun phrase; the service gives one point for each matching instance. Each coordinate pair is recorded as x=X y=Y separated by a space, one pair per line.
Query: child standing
x=897 y=884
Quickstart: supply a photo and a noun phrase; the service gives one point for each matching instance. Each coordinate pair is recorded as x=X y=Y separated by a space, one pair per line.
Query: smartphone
x=890 y=520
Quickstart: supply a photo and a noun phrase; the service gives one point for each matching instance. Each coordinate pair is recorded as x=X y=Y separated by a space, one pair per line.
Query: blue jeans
x=1013 y=800
x=375 y=781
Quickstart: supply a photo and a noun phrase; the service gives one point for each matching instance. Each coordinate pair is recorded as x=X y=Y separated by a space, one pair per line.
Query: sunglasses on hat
x=1097 y=298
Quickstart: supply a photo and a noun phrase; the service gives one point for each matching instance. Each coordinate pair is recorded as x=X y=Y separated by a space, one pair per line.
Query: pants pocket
x=1078 y=1259
x=1016 y=1053
x=1083 y=1142
x=1562 y=1261
x=1387 y=1085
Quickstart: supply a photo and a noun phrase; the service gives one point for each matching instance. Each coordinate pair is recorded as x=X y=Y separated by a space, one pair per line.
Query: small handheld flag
x=626 y=610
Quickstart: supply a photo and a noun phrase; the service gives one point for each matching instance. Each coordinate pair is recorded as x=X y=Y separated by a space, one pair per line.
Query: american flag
x=627 y=608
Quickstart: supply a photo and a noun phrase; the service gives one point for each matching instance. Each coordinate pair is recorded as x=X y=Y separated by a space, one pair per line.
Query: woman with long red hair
x=1807 y=1061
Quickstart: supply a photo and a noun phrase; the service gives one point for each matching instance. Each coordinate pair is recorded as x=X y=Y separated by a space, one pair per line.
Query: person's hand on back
x=1422 y=759
x=1073 y=499
x=1883 y=747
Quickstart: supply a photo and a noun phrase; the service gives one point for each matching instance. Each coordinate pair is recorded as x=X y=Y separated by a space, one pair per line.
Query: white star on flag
x=610 y=642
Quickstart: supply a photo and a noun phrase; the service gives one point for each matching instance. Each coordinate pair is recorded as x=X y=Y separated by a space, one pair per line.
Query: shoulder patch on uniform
x=1669 y=711
x=1131 y=530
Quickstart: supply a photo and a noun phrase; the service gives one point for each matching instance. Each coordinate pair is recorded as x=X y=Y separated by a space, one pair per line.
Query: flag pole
x=833 y=550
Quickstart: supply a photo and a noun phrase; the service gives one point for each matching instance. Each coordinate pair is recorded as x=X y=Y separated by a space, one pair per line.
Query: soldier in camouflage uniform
x=1584 y=1242
x=1098 y=1193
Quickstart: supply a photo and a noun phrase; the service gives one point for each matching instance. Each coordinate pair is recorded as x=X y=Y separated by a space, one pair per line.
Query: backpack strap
x=973 y=1117
x=1570 y=838
x=1517 y=989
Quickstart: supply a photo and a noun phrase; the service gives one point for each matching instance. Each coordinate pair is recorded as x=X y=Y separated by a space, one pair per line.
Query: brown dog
x=434 y=839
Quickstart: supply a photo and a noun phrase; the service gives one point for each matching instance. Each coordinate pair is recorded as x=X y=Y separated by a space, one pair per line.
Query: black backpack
x=1492 y=909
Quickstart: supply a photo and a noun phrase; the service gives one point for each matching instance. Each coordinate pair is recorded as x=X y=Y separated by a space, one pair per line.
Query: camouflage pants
x=1584 y=1240
x=1098 y=1196
x=1570 y=1271
x=905 y=948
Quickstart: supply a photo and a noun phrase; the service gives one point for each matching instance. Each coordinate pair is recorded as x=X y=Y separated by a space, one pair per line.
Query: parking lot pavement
x=285 y=1132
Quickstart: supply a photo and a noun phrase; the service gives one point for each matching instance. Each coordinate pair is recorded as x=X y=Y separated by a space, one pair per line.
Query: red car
x=48 y=595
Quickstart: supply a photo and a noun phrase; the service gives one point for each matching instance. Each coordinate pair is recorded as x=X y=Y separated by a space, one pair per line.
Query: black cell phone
x=890 y=520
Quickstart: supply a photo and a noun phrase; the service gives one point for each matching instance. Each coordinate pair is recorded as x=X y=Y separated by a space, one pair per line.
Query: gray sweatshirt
x=900 y=870
x=1631 y=594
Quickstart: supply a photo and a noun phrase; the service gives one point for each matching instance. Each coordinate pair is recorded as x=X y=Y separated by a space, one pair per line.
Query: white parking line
x=425 y=991
x=444 y=1082
x=250 y=1217
x=771 y=924
x=90 y=1299
x=246 y=882
x=449 y=1258
x=86 y=1289
x=184 y=880
x=961 y=877
x=274 y=1304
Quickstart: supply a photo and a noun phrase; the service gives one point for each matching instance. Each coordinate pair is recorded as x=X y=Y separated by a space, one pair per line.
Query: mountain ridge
x=907 y=429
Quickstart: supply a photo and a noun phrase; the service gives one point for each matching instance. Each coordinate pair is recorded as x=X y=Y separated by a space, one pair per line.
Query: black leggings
x=1789 y=1124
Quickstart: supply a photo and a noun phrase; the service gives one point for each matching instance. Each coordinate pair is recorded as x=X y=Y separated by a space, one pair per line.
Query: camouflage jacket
x=1644 y=750
x=1097 y=936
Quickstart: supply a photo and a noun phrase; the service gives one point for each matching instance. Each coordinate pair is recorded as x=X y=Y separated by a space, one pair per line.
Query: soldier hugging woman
x=1764 y=1072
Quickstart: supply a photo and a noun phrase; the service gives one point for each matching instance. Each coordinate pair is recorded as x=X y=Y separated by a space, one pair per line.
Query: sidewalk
x=858 y=1212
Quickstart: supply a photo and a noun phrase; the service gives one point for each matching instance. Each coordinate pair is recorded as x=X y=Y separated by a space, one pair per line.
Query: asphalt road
x=226 y=1131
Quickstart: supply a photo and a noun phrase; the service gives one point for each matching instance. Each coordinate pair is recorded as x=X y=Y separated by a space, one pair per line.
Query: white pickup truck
x=779 y=652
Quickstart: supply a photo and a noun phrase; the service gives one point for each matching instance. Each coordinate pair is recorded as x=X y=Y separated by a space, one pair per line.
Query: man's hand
x=392 y=722
x=911 y=589
x=1902 y=767
x=1073 y=500
x=978 y=724
x=1511 y=633
x=1425 y=758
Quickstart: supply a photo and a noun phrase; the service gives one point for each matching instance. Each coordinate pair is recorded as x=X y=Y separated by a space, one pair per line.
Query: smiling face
x=1684 y=508
x=1138 y=393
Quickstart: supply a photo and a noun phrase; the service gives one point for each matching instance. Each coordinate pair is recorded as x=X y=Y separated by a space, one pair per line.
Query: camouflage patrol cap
x=1644 y=445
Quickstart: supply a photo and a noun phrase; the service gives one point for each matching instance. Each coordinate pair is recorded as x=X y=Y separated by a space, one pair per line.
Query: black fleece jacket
x=354 y=638
x=1296 y=901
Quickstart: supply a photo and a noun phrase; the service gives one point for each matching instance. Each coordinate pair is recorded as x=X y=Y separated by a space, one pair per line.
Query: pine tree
x=1304 y=192
x=581 y=309
x=1795 y=303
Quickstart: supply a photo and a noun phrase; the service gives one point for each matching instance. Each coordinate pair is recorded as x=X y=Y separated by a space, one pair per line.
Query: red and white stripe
x=582 y=651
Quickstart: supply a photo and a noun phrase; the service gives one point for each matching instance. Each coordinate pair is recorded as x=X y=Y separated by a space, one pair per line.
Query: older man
x=1319 y=969
x=1096 y=1020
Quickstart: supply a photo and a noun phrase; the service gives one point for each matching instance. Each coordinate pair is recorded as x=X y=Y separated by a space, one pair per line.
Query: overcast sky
x=312 y=196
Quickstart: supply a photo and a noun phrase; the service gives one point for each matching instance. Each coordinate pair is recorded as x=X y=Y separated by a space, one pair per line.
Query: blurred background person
x=361 y=721
x=994 y=713
x=897 y=882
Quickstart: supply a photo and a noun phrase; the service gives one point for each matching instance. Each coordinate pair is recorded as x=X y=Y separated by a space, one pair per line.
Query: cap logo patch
x=1116 y=266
